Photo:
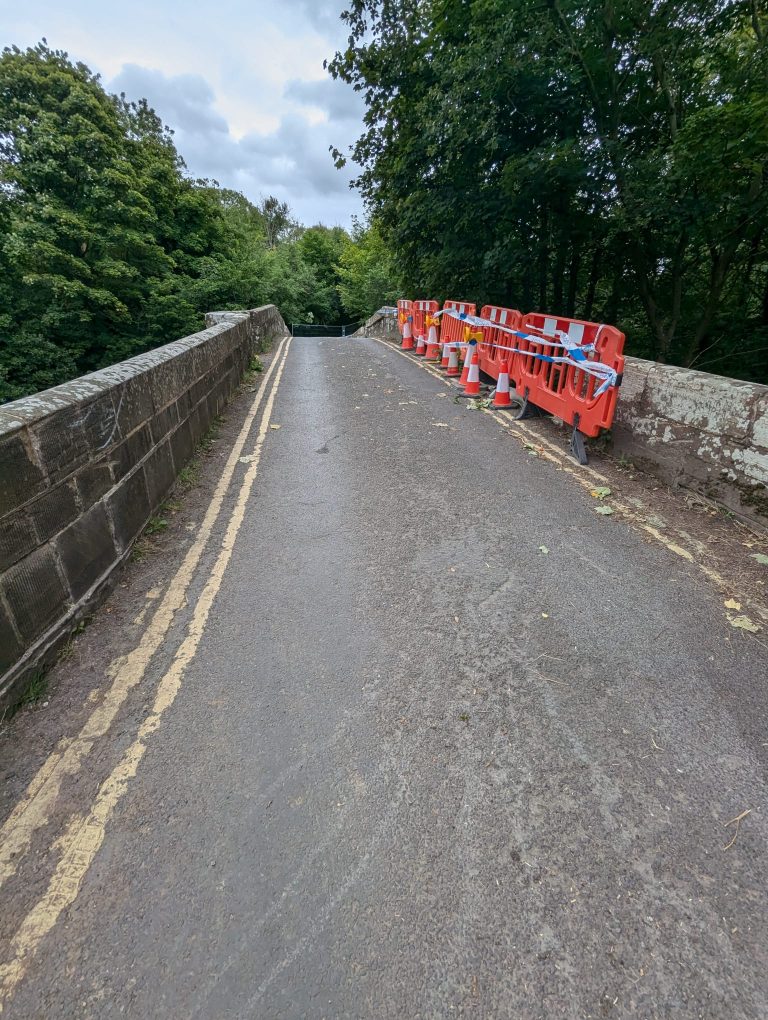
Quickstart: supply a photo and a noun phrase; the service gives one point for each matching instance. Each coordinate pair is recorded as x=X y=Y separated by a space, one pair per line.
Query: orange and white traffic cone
x=446 y=355
x=432 y=352
x=501 y=397
x=472 y=388
x=407 y=343
x=453 y=361
x=467 y=361
x=420 y=345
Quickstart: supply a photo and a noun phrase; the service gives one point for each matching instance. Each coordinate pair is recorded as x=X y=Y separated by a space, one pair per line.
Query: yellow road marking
x=586 y=477
x=33 y=810
x=84 y=835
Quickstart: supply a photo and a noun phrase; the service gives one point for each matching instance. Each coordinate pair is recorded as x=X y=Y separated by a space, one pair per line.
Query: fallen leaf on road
x=605 y=510
x=545 y=616
x=543 y=549
x=440 y=424
x=600 y=492
x=274 y=426
x=732 y=604
x=743 y=623
x=761 y=558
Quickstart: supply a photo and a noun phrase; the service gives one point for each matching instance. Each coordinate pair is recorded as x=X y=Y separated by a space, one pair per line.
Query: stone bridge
x=366 y=702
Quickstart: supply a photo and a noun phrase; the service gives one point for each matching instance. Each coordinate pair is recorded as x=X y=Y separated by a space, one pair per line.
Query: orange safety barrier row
x=565 y=367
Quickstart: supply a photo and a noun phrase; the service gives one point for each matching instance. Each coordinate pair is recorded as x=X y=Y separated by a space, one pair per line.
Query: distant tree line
x=108 y=248
x=604 y=159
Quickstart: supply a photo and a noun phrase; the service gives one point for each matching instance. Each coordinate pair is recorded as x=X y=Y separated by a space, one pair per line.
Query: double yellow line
x=85 y=833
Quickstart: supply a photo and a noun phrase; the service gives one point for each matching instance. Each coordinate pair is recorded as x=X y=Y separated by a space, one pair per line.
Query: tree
x=367 y=278
x=279 y=224
x=600 y=159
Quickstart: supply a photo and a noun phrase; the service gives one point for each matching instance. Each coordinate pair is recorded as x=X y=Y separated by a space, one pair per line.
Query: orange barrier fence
x=560 y=387
x=420 y=311
x=565 y=367
x=494 y=338
x=451 y=328
x=403 y=311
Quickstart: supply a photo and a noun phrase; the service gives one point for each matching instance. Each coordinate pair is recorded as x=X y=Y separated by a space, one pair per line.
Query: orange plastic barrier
x=563 y=389
x=420 y=311
x=452 y=329
x=490 y=354
x=403 y=311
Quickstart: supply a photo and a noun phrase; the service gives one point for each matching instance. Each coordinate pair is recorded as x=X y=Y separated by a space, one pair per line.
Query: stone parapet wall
x=705 y=432
x=84 y=466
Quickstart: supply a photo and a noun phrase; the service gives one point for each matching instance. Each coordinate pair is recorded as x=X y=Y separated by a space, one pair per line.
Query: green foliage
x=595 y=158
x=108 y=248
x=367 y=274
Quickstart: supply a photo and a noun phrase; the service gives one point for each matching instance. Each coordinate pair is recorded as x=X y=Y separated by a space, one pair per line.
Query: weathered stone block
x=86 y=550
x=160 y=473
x=132 y=450
x=129 y=508
x=17 y=538
x=92 y=481
x=100 y=424
x=62 y=442
x=21 y=476
x=35 y=593
x=182 y=444
x=134 y=404
x=54 y=510
x=10 y=649
x=164 y=421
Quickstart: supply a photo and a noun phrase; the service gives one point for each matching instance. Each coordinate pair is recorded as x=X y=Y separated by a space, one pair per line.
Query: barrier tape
x=576 y=352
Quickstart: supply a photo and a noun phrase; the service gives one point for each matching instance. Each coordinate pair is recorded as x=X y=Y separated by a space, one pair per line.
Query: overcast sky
x=241 y=82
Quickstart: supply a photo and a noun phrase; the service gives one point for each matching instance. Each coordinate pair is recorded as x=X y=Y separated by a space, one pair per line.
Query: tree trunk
x=543 y=260
x=594 y=273
x=573 y=280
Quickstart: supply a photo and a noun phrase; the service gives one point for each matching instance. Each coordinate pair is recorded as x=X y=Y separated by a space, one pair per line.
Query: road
x=424 y=736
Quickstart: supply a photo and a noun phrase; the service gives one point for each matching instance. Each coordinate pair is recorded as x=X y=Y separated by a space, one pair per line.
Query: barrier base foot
x=529 y=410
x=578 y=447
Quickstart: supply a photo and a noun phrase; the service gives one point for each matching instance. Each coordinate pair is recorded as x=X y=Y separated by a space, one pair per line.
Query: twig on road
x=737 y=822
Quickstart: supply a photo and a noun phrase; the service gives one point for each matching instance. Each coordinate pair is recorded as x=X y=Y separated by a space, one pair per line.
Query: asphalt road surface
x=426 y=736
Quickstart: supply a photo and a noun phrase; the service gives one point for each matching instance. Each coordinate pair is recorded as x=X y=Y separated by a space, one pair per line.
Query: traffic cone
x=420 y=346
x=433 y=348
x=453 y=361
x=472 y=388
x=407 y=343
x=501 y=397
x=468 y=350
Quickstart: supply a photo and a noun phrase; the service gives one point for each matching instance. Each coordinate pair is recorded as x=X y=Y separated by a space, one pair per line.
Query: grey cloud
x=292 y=162
x=339 y=100
x=322 y=14
x=184 y=101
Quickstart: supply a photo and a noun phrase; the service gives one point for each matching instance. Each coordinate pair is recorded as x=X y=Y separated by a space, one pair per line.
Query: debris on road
x=737 y=822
